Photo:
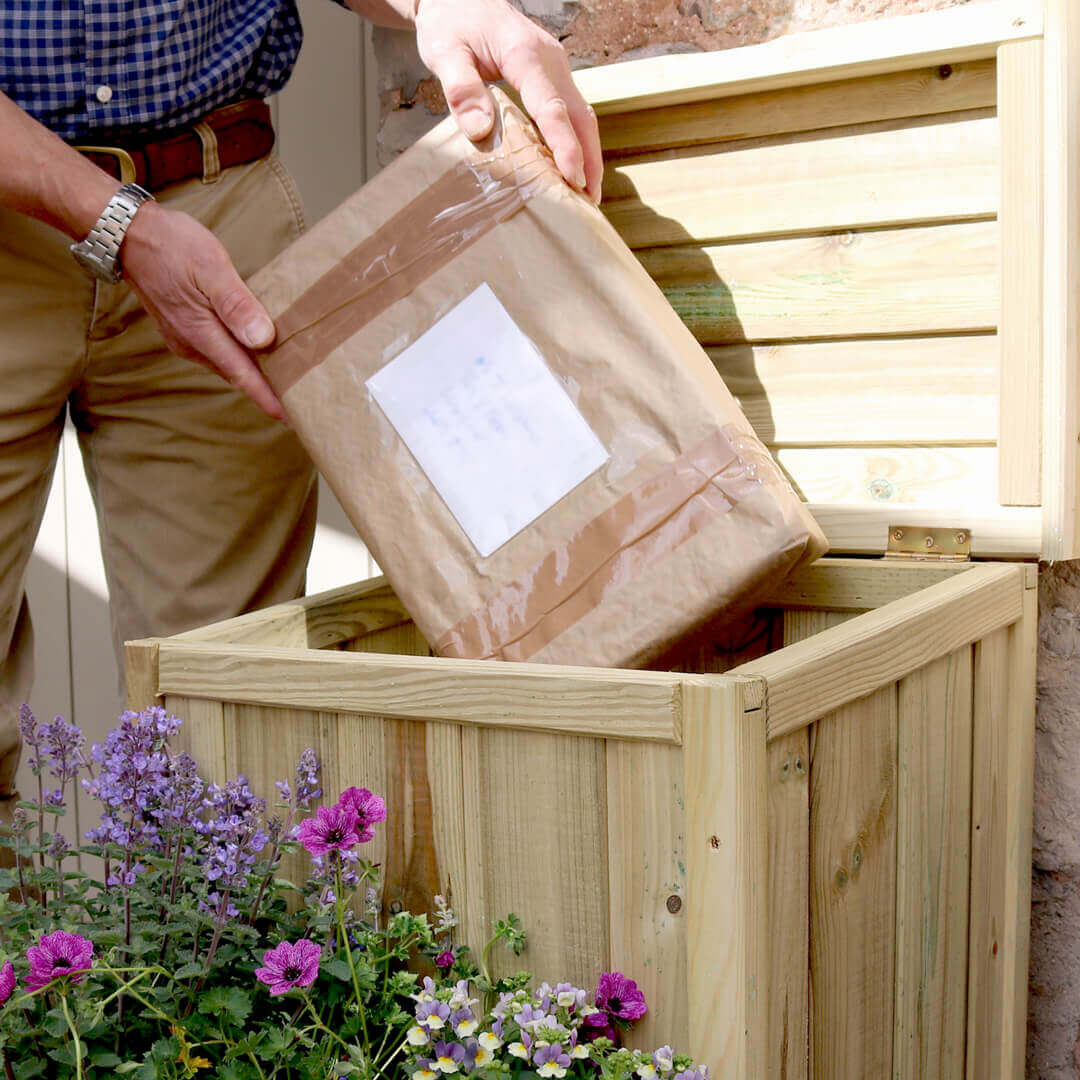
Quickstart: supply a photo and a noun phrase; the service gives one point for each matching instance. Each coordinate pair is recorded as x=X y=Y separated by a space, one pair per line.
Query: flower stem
x=339 y=904
x=319 y=1024
x=9 y=1072
x=75 y=1035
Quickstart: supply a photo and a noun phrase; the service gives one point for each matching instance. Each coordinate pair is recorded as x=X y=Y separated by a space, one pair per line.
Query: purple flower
x=445 y=959
x=432 y=1014
x=62 y=744
x=618 y=997
x=333 y=828
x=551 y=1060
x=307 y=777
x=369 y=810
x=288 y=966
x=58 y=954
x=7 y=981
x=448 y=1057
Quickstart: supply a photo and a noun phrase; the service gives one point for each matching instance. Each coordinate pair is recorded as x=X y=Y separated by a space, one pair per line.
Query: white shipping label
x=493 y=429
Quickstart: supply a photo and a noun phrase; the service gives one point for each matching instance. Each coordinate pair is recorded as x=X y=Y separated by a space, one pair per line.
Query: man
x=205 y=504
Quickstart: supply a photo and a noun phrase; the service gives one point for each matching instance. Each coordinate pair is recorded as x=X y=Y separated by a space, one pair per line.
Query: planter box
x=811 y=842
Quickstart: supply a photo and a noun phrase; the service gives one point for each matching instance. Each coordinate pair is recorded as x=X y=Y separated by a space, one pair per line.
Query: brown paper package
x=687 y=520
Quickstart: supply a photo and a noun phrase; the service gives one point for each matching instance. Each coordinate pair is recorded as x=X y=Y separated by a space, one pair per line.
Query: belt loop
x=211 y=160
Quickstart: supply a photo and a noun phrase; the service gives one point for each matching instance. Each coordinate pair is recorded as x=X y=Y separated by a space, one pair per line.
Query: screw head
x=674 y=904
x=395 y=907
x=898 y=534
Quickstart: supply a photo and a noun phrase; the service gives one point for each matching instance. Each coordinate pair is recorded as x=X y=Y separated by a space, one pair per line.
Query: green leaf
x=338 y=968
x=231 y=1000
x=104 y=1059
x=188 y=970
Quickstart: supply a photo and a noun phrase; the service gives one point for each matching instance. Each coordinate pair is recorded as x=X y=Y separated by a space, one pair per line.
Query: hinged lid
x=852 y=223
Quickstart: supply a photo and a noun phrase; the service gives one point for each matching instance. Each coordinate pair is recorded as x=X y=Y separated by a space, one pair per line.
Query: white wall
x=325 y=134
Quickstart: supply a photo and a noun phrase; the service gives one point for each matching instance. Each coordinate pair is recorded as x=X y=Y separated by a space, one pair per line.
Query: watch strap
x=99 y=253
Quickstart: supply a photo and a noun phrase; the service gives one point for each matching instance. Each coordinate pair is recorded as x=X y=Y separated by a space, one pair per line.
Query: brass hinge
x=931 y=545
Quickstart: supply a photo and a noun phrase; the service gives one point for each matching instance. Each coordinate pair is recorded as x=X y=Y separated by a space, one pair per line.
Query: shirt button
x=104 y=94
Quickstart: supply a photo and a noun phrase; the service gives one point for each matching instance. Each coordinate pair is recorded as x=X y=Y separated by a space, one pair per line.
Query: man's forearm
x=42 y=176
x=397 y=14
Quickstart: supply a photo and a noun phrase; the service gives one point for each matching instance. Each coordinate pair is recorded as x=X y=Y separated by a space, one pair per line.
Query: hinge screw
x=898 y=534
x=961 y=537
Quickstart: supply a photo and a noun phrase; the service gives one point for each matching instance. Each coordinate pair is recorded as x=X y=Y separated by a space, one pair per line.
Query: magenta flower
x=58 y=954
x=617 y=998
x=369 y=809
x=7 y=981
x=288 y=966
x=333 y=828
x=445 y=959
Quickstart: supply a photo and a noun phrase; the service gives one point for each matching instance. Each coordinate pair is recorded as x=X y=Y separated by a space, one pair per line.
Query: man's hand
x=186 y=281
x=465 y=42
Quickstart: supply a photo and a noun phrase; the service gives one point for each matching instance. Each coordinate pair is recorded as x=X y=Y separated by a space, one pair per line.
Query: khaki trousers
x=206 y=507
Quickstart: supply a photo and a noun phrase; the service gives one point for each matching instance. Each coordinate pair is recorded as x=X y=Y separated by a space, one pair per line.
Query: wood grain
x=853 y=888
x=1020 y=108
x=937 y=391
x=868 y=48
x=815 y=677
x=727 y=872
x=615 y=704
x=840 y=103
x=933 y=864
x=140 y=674
x=841 y=285
x=843 y=179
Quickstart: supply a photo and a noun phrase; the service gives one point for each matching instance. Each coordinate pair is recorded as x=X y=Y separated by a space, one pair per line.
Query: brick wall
x=604 y=31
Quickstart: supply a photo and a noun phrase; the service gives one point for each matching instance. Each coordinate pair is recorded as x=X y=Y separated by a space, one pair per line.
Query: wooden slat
x=1023 y=649
x=856 y=585
x=987 y=1008
x=868 y=48
x=996 y=532
x=814 y=677
x=555 y=877
x=895 y=96
x=933 y=853
x=961 y=478
x=1061 y=282
x=647 y=878
x=579 y=701
x=888 y=392
x=788 y=763
x=313 y=622
x=726 y=856
x=404 y=639
x=202 y=735
x=899 y=281
x=1020 y=109
x=140 y=674
x=922 y=172
x=853 y=888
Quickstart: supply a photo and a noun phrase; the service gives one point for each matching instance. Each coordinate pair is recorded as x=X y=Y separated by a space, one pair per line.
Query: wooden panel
x=1003 y=767
x=402 y=640
x=614 y=704
x=844 y=179
x=921 y=92
x=202 y=735
x=788 y=763
x=854 y=585
x=898 y=281
x=989 y=814
x=140 y=674
x=264 y=744
x=909 y=390
x=313 y=622
x=933 y=853
x=726 y=857
x=517 y=786
x=853 y=888
x=647 y=878
x=868 y=48
x=960 y=478
x=1020 y=108
x=814 y=677
x=1003 y=532
x=1061 y=325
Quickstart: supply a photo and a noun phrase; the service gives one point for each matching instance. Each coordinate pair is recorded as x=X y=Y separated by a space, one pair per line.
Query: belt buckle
x=126 y=162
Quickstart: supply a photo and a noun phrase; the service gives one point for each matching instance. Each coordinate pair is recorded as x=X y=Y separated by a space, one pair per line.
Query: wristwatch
x=99 y=253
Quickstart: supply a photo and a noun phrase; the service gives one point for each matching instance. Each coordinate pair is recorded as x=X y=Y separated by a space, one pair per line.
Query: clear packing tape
x=688 y=520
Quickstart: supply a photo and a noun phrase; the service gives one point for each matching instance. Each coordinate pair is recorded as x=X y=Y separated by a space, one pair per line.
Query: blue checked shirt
x=85 y=66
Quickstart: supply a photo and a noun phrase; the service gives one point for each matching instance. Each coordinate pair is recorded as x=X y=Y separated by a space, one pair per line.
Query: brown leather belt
x=242 y=133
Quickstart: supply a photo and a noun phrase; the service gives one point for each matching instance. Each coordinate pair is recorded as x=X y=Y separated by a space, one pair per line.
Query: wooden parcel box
x=811 y=843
